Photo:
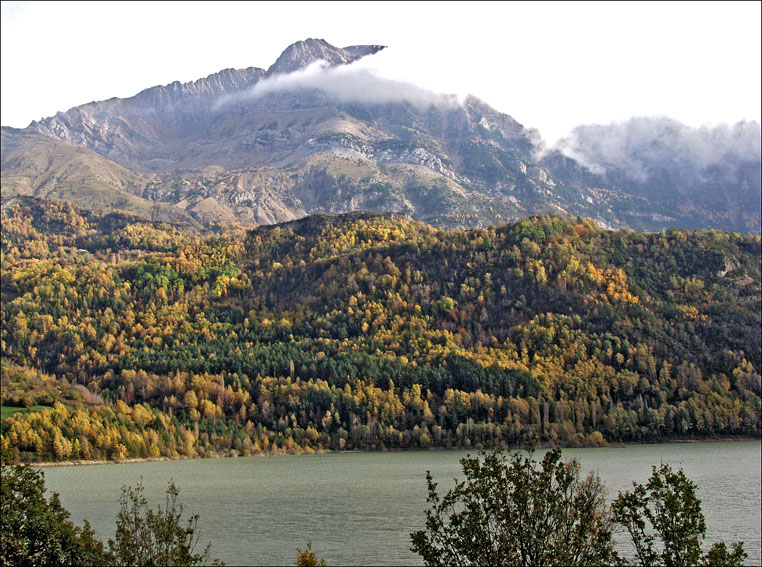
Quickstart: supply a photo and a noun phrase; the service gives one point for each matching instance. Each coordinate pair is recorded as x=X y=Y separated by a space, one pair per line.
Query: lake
x=359 y=508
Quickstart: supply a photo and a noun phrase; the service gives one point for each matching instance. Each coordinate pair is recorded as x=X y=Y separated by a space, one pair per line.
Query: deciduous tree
x=146 y=537
x=35 y=531
x=666 y=524
x=512 y=512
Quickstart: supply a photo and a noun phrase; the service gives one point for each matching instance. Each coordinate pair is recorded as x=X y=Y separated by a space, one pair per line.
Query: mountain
x=696 y=177
x=148 y=131
x=302 y=53
x=54 y=169
x=315 y=134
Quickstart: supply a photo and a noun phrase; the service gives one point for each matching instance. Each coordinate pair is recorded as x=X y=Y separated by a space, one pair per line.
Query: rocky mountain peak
x=300 y=54
x=214 y=149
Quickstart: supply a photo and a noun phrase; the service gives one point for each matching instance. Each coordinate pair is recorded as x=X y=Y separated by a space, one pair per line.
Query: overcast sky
x=551 y=66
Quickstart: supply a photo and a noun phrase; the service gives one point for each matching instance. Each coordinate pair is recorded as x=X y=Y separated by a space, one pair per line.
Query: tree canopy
x=666 y=525
x=146 y=537
x=516 y=511
x=35 y=531
x=512 y=512
x=366 y=331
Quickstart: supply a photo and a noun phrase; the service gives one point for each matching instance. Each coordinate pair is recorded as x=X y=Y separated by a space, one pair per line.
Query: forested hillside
x=127 y=338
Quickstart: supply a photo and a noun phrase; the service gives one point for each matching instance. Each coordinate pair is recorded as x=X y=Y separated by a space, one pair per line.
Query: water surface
x=359 y=508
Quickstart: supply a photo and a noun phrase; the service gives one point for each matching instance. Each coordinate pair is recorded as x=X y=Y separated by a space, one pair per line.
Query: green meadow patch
x=9 y=411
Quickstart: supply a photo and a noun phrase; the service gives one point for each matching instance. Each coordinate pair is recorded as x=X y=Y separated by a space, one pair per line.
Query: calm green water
x=359 y=508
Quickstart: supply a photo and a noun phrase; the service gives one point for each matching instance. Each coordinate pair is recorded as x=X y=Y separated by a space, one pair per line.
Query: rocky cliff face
x=225 y=148
x=144 y=132
x=302 y=53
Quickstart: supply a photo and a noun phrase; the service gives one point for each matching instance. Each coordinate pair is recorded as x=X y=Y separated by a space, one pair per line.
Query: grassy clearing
x=8 y=411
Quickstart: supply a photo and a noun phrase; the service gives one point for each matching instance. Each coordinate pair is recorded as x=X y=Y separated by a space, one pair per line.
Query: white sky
x=551 y=66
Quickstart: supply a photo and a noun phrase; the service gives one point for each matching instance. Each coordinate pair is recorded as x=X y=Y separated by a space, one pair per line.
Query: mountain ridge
x=239 y=152
x=302 y=53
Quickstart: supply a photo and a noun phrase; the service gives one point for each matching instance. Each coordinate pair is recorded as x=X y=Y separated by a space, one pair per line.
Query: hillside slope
x=373 y=330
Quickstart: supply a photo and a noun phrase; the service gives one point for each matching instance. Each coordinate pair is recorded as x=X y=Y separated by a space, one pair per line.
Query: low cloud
x=346 y=84
x=642 y=145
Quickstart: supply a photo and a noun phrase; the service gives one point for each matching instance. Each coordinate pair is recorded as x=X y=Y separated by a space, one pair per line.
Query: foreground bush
x=666 y=525
x=35 y=531
x=508 y=512
x=512 y=512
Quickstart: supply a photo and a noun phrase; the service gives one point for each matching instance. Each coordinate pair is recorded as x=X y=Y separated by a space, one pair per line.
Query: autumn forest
x=123 y=338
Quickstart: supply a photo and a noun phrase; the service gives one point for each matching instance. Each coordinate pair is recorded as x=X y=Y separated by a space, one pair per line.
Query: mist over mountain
x=320 y=132
x=711 y=170
x=345 y=84
x=641 y=146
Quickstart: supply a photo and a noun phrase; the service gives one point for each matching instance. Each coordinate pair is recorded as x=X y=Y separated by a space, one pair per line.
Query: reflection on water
x=359 y=508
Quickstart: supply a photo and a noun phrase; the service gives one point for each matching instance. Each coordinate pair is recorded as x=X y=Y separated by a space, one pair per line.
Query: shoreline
x=724 y=439
x=103 y=461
